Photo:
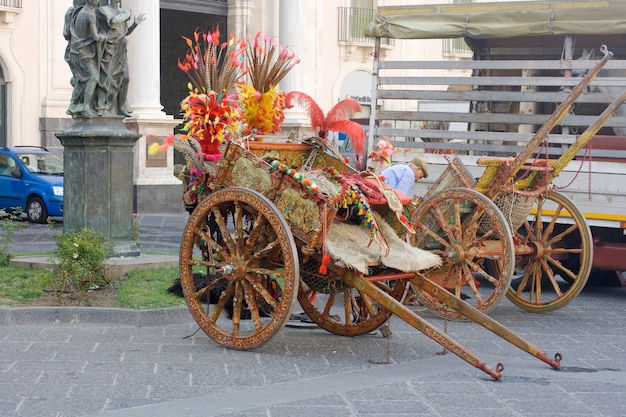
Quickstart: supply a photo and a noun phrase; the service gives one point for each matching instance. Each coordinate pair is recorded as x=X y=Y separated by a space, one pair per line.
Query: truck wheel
x=36 y=210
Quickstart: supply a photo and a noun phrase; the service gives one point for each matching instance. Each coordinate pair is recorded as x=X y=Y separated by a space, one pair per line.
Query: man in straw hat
x=402 y=177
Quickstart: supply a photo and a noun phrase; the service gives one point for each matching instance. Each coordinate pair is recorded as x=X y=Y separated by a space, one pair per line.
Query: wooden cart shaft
x=424 y=284
x=589 y=133
x=506 y=172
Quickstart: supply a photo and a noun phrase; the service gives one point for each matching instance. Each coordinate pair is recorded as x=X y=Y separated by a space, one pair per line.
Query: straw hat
x=420 y=164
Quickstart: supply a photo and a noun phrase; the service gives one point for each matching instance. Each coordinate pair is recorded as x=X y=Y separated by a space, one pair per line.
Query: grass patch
x=20 y=285
x=147 y=288
x=140 y=289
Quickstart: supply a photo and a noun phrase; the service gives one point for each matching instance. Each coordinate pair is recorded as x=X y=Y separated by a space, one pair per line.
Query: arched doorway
x=358 y=85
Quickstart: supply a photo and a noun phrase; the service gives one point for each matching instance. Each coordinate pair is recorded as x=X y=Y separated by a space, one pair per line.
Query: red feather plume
x=343 y=110
x=316 y=115
x=336 y=119
x=354 y=131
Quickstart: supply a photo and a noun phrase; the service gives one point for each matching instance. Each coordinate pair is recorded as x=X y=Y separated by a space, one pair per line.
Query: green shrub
x=8 y=227
x=81 y=257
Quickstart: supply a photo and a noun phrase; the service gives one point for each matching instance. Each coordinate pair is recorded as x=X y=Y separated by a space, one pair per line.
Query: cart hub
x=455 y=254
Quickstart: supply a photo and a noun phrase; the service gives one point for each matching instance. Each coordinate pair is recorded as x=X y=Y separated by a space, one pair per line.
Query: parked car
x=31 y=180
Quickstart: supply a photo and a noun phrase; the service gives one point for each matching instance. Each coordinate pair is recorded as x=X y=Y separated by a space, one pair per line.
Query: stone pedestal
x=98 y=164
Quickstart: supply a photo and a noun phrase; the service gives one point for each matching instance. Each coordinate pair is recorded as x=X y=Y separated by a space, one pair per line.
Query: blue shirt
x=400 y=177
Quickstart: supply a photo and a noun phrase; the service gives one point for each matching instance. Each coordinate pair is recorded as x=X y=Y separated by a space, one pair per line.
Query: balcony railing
x=456 y=46
x=16 y=4
x=352 y=23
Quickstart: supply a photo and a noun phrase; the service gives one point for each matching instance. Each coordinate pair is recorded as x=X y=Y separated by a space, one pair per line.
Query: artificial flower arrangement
x=211 y=111
x=381 y=156
x=262 y=101
x=220 y=105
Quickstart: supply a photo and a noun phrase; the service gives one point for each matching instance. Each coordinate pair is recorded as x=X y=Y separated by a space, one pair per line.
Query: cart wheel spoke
x=223 y=229
x=471 y=282
x=212 y=243
x=557 y=258
x=268 y=290
x=554 y=266
x=205 y=291
x=563 y=235
x=549 y=274
x=524 y=282
x=224 y=297
x=330 y=302
x=245 y=240
x=250 y=300
x=484 y=273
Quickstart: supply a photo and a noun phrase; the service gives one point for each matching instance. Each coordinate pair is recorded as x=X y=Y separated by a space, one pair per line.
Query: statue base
x=98 y=191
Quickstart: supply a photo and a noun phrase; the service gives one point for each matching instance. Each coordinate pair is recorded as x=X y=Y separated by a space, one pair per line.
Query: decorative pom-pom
x=153 y=149
x=324 y=266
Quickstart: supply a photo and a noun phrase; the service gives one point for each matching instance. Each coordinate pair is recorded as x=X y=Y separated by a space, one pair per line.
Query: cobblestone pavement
x=81 y=363
x=67 y=362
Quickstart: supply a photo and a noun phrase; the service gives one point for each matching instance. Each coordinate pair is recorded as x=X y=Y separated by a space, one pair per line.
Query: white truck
x=484 y=109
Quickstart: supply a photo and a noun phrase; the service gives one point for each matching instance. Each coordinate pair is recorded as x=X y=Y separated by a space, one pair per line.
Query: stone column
x=144 y=90
x=239 y=12
x=156 y=188
x=291 y=35
x=98 y=195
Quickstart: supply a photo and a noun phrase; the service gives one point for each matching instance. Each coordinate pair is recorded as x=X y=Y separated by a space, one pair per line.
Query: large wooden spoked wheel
x=342 y=309
x=239 y=237
x=473 y=238
x=559 y=263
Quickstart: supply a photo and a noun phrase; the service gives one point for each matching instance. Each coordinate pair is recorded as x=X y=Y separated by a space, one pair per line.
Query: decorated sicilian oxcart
x=286 y=222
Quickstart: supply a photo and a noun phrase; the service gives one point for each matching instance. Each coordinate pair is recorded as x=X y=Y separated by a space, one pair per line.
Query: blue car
x=31 y=180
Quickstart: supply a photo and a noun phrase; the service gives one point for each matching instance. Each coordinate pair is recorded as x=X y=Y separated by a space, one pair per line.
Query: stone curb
x=12 y=316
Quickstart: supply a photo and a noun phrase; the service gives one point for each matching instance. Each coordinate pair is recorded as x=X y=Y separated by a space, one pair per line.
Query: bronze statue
x=96 y=53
